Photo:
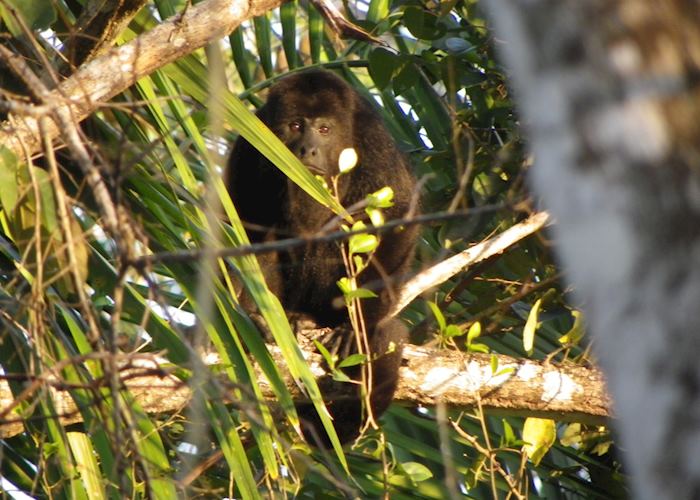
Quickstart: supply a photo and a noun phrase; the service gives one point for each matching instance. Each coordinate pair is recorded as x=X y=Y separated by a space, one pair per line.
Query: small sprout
x=346 y=285
x=359 y=262
x=347 y=160
x=384 y=198
x=494 y=363
x=474 y=332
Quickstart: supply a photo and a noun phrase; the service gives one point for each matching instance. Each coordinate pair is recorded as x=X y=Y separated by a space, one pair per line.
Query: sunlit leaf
x=416 y=472
x=539 y=435
x=530 y=327
x=362 y=243
x=575 y=334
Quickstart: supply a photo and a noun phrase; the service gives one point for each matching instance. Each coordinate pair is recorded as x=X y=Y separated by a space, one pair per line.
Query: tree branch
x=519 y=387
x=180 y=35
x=443 y=271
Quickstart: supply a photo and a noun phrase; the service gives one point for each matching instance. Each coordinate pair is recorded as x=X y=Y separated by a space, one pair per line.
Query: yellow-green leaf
x=539 y=435
x=363 y=243
x=383 y=198
x=474 y=332
x=530 y=327
x=86 y=464
x=574 y=335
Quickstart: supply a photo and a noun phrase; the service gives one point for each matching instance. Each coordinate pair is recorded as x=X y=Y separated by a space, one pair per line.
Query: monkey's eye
x=323 y=129
x=295 y=126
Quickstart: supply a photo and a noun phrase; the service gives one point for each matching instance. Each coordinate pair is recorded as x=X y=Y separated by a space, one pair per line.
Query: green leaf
x=474 y=332
x=479 y=347
x=263 y=42
x=571 y=435
x=378 y=11
x=383 y=198
x=316 y=34
x=452 y=331
x=382 y=64
x=360 y=293
x=49 y=218
x=363 y=243
x=539 y=435
x=8 y=179
x=530 y=327
x=416 y=472
x=346 y=285
x=574 y=335
x=241 y=57
x=375 y=215
x=86 y=464
x=327 y=356
x=360 y=262
x=339 y=376
x=352 y=360
x=494 y=363
x=508 y=436
x=288 y=16
x=439 y=317
x=37 y=14
x=422 y=24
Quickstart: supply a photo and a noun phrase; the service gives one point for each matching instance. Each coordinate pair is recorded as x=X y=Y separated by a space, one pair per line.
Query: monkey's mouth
x=315 y=170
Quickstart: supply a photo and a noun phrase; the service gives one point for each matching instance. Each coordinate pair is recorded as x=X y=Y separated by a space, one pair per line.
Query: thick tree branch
x=519 y=387
x=81 y=94
x=99 y=25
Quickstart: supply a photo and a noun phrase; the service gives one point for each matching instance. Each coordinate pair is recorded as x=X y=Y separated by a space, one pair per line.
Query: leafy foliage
x=76 y=308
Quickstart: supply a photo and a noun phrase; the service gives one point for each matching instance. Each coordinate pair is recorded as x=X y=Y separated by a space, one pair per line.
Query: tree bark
x=518 y=387
x=609 y=94
x=82 y=93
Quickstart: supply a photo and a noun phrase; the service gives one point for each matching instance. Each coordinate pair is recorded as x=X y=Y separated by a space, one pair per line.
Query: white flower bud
x=347 y=160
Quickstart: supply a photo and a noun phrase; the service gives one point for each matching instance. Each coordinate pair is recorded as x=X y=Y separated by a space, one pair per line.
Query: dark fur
x=305 y=279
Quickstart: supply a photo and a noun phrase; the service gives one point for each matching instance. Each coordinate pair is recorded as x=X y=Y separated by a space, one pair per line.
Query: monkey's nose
x=307 y=152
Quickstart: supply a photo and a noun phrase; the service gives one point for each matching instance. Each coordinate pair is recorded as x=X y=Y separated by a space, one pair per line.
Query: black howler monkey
x=317 y=115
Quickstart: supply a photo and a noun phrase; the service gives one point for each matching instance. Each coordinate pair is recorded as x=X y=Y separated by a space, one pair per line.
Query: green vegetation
x=76 y=311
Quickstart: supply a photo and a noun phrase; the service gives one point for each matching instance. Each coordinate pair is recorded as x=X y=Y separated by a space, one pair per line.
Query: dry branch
x=443 y=271
x=519 y=387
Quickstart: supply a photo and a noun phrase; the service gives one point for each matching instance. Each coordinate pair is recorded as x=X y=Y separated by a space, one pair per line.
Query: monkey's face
x=313 y=115
x=316 y=141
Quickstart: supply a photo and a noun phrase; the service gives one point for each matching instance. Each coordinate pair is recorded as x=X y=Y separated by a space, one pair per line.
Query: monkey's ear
x=265 y=113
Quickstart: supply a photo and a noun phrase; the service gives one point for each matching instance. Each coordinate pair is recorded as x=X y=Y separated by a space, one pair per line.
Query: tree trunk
x=609 y=96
